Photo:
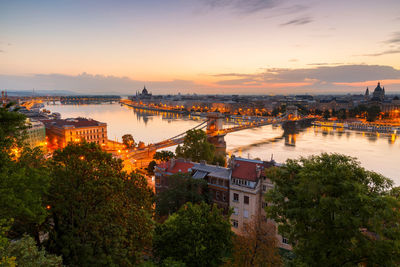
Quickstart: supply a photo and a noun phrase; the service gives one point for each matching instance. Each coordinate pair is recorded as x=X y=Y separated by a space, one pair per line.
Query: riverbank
x=361 y=126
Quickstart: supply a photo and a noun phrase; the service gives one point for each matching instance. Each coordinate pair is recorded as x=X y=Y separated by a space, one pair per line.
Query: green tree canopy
x=24 y=177
x=24 y=252
x=128 y=140
x=335 y=213
x=198 y=235
x=182 y=188
x=163 y=155
x=196 y=147
x=101 y=216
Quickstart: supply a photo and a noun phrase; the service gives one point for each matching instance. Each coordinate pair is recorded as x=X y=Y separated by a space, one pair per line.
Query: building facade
x=240 y=187
x=36 y=134
x=60 y=132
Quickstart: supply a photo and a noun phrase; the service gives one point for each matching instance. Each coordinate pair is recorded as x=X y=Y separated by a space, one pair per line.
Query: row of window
x=246 y=199
x=245 y=212
x=220 y=182
x=219 y=194
x=240 y=182
x=87 y=131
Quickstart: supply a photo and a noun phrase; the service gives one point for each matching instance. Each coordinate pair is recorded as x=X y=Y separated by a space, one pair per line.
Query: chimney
x=172 y=163
x=258 y=171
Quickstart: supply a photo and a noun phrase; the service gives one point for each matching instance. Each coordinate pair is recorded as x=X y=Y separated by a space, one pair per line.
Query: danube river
x=377 y=152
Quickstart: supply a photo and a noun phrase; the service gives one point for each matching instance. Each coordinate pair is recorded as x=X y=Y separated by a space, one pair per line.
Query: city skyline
x=200 y=46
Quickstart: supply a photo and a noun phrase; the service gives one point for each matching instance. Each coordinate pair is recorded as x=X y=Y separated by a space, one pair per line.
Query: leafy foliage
x=196 y=147
x=257 y=246
x=163 y=155
x=23 y=180
x=182 y=188
x=150 y=167
x=128 y=141
x=335 y=213
x=198 y=235
x=23 y=252
x=100 y=215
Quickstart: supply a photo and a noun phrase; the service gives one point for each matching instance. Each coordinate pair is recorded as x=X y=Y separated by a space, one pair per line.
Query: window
x=236 y=211
x=264 y=204
x=264 y=188
x=217 y=195
x=285 y=240
x=235 y=197
x=224 y=196
x=235 y=223
x=246 y=200
x=246 y=213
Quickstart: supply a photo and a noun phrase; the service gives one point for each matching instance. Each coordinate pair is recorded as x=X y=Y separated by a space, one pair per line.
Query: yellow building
x=60 y=132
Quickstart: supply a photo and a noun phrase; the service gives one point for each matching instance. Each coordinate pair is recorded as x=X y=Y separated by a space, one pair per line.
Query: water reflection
x=378 y=152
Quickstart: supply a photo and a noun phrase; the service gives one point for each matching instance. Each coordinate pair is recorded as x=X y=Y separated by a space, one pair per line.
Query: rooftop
x=73 y=123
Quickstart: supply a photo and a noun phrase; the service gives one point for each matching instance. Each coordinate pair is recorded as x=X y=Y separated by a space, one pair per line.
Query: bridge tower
x=292 y=112
x=215 y=136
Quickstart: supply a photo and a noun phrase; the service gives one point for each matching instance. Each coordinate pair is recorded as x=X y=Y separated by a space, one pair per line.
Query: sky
x=200 y=46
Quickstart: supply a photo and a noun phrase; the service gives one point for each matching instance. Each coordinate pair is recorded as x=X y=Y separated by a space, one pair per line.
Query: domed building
x=379 y=94
x=144 y=94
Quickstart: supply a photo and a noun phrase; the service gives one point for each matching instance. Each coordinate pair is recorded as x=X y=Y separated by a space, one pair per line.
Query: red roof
x=179 y=166
x=246 y=169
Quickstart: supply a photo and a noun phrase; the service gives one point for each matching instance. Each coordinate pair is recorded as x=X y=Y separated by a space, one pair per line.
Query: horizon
x=203 y=46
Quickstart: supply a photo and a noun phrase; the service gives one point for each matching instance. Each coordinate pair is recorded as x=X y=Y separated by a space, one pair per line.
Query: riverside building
x=36 y=133
x=60 y=132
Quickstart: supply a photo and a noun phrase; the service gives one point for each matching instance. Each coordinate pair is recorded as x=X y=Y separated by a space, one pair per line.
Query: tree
x=219 y=160
x=257 y=246
x=335 y=213
x=128 y=141
x=24 y=179
x=150 y=167
x=326 y=114
x=24 y=252
x=372 y=113
x=164 y=155
x=100 y=215
x=198 y=235
x=12 y=126
x=182 y=188
x=196 y=147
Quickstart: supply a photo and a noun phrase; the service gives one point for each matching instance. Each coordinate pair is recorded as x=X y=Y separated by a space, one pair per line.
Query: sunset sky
x=200 y=46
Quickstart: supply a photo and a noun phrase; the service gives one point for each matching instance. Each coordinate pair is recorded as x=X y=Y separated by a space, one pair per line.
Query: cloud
x=85 y=83
x=320 y=79
x=299 y=21
x=293 y=60
x=395 y=38
x=1 y=51
x=314 y=78
x=242 y=6
x=386 y=52
x=324 y=64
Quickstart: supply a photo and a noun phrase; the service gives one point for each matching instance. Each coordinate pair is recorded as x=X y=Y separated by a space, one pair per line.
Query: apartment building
x=36 y=133
x=248 y=186
x=240 y=187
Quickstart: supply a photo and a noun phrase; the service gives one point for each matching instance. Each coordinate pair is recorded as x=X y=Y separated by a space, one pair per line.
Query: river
x=376 y=152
